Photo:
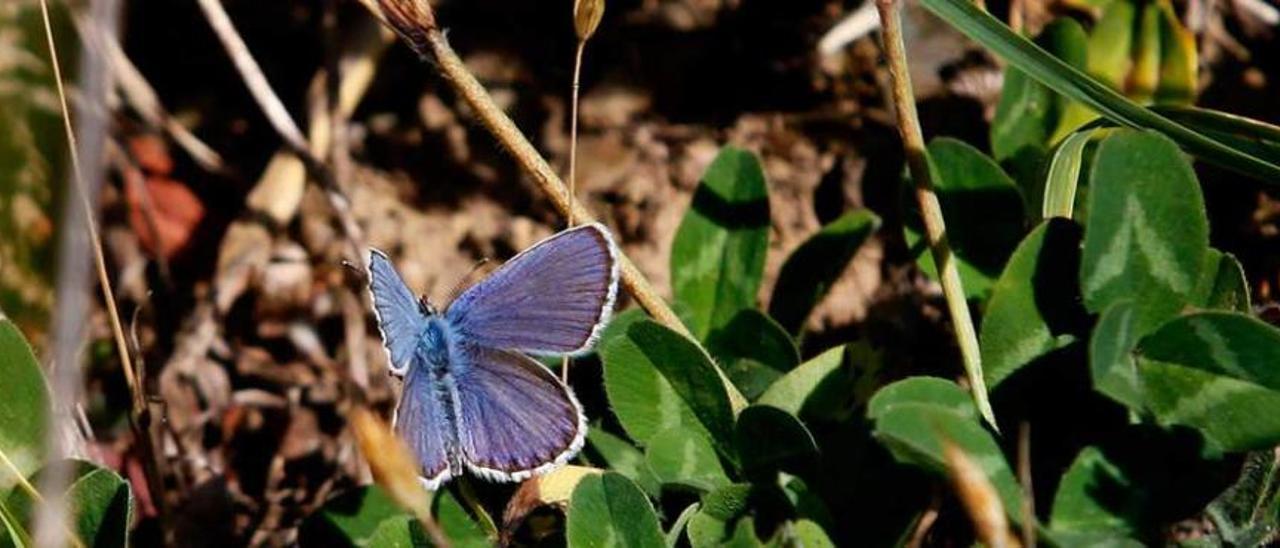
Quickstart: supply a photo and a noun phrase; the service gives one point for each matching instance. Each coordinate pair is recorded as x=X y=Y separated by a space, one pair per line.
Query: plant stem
x=469 y=498
x=930 y=209
x=453 y=69
x=573 y=160
x=137 y=400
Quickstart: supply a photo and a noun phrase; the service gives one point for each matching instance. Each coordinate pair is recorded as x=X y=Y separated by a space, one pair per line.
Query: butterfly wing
x=399 y=319
x=515 y=418
x=553 y=298
x=423 y=420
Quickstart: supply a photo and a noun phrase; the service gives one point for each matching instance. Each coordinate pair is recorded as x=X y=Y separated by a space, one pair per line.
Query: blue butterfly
x=472 y=399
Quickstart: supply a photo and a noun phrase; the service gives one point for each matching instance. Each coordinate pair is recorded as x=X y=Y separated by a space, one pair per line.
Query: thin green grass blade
x=1252 y=136
x=1071 y=82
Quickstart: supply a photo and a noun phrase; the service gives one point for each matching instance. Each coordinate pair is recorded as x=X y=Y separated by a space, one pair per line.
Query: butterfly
x=473 y=399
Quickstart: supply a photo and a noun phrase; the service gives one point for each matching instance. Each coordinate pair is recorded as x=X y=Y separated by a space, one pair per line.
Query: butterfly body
x=472 y=399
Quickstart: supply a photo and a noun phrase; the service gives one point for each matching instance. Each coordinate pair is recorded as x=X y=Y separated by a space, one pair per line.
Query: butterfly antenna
x=462 y=283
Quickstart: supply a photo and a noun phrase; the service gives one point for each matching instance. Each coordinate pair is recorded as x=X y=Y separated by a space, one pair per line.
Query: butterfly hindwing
x=554 y=298
x=515 y=418
x=424 y=420
x=397 y=310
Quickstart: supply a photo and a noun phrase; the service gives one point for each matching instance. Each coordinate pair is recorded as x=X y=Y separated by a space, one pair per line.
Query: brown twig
x=930 y=210
x=144 y=99
x=414 y=21
x=254 y=79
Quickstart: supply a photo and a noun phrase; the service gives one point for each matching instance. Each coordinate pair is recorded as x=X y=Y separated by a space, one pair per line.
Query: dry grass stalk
x=395 y=469
x=979 y=497
x=79 y=239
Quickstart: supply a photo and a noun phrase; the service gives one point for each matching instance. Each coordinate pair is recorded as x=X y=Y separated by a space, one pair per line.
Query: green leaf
x=717 y=258
x=914 y=432
x=980 y=26
x=457 y=524
x=1110 y=60
x=722 y=519
x=684 y=457
x=933 y=391
x=1111 y=44
x=754 y=351
x=366 y=516
x=1028 y=111
x=618 y=325
x=1063 y=178
x=1179 y=65
x=1222 y=285
x=770 y=439
x=1248 y=512
x=677 y=528
x=1145 y=75
x=807 y=534
x=1034 y=306
x=349 y=519
x=807 y=504
x=821 y=386
x=401 y=531
x=983 y=209
x=912 y=418
x=1146 y=233
x=24 y=409
x=100 y=500
x=609 y=510
x=12 y=528
x=1111 y=360
x=621 y=457
x=103 y=506
x=1095 y=497
x=810 y=270
x=1215 y=372
x=657 y=379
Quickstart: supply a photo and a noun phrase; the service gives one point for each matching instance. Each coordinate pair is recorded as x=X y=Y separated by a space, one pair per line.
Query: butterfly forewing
x=554 y=298
x=398 y=315
x=516 y=419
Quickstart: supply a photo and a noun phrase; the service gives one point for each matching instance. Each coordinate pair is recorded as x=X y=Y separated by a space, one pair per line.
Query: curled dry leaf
x=551 y=489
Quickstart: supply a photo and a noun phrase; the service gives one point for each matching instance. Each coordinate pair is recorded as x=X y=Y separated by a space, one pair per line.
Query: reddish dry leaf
x=163 y=212
x=151 y=154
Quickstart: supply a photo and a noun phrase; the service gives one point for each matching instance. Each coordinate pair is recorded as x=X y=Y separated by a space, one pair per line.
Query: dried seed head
x=393 y=466
x=586 y=17
x=411 y=19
